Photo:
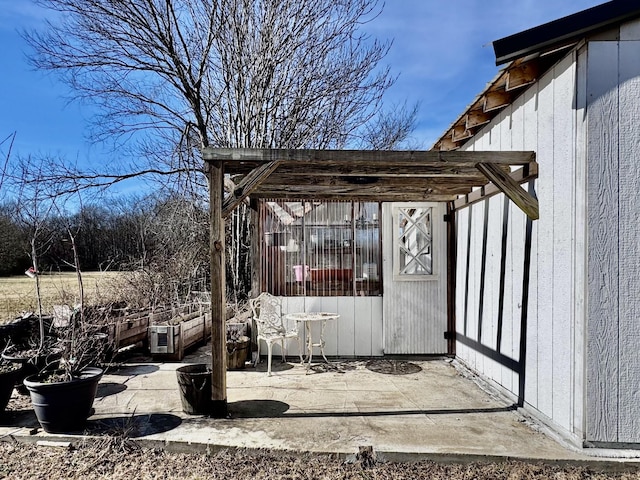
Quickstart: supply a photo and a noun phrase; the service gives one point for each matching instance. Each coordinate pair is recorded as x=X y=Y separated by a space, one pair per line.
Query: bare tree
x=174 y=76
x=5 y=162
x=179 y=75
x=32 y=210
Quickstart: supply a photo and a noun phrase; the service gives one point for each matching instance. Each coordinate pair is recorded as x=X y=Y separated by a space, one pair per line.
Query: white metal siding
x=491 y=254
x=358 y=331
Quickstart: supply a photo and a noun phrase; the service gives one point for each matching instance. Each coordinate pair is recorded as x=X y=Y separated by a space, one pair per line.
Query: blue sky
x=442 y=53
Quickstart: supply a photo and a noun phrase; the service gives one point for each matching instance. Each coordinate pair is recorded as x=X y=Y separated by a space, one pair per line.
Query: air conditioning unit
x=161 y=338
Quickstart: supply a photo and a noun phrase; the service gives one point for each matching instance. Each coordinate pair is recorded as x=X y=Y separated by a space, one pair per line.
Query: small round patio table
x=308 y=318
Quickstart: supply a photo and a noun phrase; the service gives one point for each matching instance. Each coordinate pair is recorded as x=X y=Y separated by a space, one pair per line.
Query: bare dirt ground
x=119 y=459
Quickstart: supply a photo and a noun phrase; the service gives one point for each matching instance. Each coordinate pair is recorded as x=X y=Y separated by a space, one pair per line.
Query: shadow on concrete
x=393 y=413
x=19 y=418
x=134 y=426
x=276 y=366
x=257 y=409
x=108 y=388
x=275 y=408
x=131 y=370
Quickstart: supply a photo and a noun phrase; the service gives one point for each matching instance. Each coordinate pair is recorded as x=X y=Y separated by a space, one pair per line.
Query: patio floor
x=404 y=409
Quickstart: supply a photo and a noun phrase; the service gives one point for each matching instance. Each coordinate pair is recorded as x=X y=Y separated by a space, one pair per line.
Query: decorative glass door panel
x=413 y=242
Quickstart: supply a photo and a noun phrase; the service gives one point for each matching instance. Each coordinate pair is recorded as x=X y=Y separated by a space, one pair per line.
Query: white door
x=415 y=278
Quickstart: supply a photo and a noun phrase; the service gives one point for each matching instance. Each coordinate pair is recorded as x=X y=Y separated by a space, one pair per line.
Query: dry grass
x=18 y=293
x=111 y=461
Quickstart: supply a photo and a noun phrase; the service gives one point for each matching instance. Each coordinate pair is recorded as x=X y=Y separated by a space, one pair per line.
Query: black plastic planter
x=64 y=406
x=7 y=381
x=194 y=382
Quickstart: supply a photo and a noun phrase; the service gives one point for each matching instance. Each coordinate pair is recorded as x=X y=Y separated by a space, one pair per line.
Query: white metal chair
x=267 y=313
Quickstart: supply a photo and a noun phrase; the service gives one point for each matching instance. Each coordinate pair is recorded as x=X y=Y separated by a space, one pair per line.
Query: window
x=316 y=248
x=413 y=245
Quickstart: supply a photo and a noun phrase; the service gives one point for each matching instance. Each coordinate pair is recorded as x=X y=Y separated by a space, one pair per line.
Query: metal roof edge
x=564 y=30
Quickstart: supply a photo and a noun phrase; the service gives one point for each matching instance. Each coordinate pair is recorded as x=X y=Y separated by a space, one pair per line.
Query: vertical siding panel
x=462 y=232
x=329 y=304
x=292 y=305
x=510 y=334
x=357 y=332
x=507 y=143
x=532 y=361
x=492 y=282
x=546 y=317
x=563 y=174
x=516 y=240
x=475 y=266
x=346 y=325
x=580 y=235
x=484 y=143
x=377 y=330
x=629 y=359
x=363 y=345
x=530 y=129
x=602 y=174
x=515 y=271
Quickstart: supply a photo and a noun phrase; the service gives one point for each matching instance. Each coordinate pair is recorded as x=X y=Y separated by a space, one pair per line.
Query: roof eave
x=564 y=30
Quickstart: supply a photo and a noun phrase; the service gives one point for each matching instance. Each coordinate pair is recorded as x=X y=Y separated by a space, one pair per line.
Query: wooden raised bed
x=169 y=341
x=131 y=329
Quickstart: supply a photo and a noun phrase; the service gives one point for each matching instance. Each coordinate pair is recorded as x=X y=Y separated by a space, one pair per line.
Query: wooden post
x=256 y=258
x=452 y=252
x=218 y=318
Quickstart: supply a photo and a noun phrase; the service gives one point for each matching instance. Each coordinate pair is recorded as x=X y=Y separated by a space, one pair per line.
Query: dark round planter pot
x=7 y=382
x=30 y=365
x=194 y=382
x=64 y=406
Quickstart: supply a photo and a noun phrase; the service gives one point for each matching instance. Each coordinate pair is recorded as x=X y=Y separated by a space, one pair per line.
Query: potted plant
x=238 y=342
x=26 y=349
x=63 y=392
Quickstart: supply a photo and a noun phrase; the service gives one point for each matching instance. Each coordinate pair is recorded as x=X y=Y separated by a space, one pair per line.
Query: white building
x=550 y=309
x=544 y=304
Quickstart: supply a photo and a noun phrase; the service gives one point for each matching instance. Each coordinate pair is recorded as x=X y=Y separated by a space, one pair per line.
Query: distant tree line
x=133 y=234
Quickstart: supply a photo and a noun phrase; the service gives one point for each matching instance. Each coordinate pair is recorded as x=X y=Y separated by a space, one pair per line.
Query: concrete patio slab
x=429 y=409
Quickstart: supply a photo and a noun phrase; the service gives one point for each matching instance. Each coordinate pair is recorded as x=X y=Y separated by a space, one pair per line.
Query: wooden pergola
x=458 y=178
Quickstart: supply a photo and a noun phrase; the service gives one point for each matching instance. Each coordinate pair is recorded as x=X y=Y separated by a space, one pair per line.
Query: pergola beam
x=512 y=189
x=378 y=176
x=235 y=158
x=248 y=184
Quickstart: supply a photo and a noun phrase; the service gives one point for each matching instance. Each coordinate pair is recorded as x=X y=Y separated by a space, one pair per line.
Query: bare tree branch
x=173 y=76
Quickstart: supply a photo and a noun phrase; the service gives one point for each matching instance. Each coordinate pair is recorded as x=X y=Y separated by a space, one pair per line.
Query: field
x=18 y=293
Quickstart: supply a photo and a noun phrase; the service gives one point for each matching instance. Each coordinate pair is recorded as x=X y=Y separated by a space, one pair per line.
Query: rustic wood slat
x=461 y=132
x=431 y=170
x=218 y=317
x=522 y=75
x=247 y=185
x=234 y=158
x=512 y=189
x=362 y=196
x=521 y=175
x=496 y=100
x=476 y=118
x=444 y=183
